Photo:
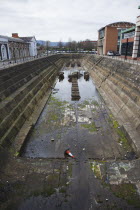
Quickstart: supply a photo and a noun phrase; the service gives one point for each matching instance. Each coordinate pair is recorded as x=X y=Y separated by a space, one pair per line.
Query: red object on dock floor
x=69 y=153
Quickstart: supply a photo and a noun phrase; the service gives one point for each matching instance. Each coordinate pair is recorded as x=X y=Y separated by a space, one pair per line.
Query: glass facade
x=101 y=34
x=127 y=49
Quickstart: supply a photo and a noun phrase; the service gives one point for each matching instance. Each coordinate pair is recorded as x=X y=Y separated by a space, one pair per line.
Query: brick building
x=109 y=36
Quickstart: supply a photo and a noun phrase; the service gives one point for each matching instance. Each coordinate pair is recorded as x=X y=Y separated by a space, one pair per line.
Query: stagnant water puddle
x=83 y=125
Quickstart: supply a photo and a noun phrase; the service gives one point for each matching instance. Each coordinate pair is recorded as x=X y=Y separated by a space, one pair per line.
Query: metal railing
x=8 y=63
x=13 y=62
x=135 y=62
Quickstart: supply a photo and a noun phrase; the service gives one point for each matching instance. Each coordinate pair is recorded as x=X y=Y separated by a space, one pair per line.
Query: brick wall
x=129 y=40
x=111 y=38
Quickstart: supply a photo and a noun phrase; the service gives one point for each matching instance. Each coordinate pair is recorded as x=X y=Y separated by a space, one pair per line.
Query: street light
x=47 y=46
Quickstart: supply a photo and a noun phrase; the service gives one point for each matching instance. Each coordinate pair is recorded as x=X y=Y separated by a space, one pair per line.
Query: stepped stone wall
x=119 y=85
x=21 y=89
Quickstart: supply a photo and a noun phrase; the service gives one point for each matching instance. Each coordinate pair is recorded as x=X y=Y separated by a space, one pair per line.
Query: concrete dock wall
x=119 y=85
x=21 y=89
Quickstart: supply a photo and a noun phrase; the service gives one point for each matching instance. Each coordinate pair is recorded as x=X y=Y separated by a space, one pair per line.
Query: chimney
x=15 y=35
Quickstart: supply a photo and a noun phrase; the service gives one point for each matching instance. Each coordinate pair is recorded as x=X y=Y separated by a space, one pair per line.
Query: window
x=101 y=34
x=3 y=52
x=127 y=48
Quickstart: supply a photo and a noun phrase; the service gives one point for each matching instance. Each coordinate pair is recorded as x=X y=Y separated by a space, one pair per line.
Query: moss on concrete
x=88 y=103
x=70 y=170
x=96 y=169
x=95 y=103
x=16 y=154
x=91 y=127
x=62 y=190
x=128 y=192
x=57 y=102
x=122 y=137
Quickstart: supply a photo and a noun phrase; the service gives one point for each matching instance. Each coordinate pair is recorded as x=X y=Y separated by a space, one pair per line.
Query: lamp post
x=47 y=46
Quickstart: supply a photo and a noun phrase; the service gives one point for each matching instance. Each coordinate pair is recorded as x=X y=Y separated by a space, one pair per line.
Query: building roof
x=128 y=30
x=119 y=24
x=27 y=39
x=11 y=39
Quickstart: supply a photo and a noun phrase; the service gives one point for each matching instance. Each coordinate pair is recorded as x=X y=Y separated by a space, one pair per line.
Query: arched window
x=3 y=52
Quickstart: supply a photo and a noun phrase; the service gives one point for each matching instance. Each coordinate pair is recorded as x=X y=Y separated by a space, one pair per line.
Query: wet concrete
x=43 y=179
x=63 y=121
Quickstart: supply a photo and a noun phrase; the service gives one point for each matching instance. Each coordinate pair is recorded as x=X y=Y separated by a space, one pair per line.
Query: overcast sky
x=57 y=20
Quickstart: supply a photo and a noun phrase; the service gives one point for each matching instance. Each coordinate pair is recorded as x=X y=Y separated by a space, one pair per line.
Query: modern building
x=130 y=42
x=15 y=47
x=127 y=42
x=109 y=36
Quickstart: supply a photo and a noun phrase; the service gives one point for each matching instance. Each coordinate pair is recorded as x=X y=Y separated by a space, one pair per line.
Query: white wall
x=33 y=47
x=136 y=39
x=138 y=21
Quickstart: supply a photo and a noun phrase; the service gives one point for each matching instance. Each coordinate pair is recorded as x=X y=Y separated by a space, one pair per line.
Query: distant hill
x=51 y=44
x=41 y=42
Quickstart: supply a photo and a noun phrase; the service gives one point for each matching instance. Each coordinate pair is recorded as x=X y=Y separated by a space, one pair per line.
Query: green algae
x=128 y=192
x=88 y=103
x=84 y=104
x=122 y=137
x=91 y=127
x=58 y=136
x=57 y=102
x=62 y=190
x=53 y=116
x=93 y=109
x=95 y=103
x=46 y=191
x=81 y=106
x=70 y=106
x=70 y=170
x=16 y=154
x=96 y=169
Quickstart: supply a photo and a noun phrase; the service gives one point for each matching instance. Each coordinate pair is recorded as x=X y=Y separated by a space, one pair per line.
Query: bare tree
x=69 y=44
x=47 y=46
x=60 y=45
x=89 y=45
x=74 y=46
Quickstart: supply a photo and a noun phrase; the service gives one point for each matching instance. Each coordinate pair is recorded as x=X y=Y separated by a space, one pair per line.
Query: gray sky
x=56 y=20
